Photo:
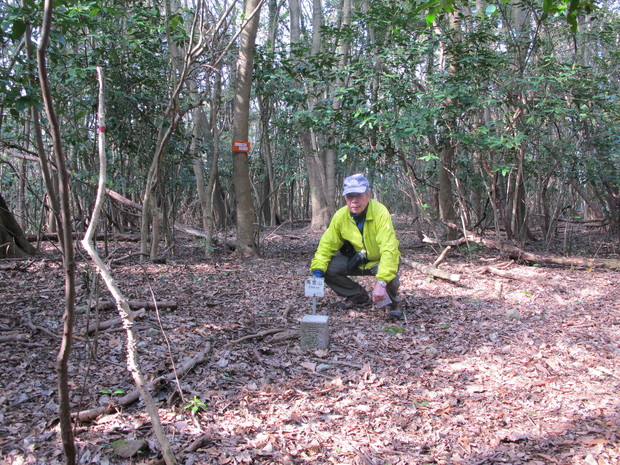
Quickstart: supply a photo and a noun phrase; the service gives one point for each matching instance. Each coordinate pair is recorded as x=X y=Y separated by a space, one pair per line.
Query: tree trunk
x=213 y=176
x=13 y=242
x=446 y=193
x=240 y=131
x=182 y=61
x=317 y=173
x=342 y=53
x=66 y=244
x=446 y=161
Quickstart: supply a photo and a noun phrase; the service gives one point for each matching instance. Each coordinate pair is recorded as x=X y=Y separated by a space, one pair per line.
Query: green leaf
x=490 y=10
x=430 y=19
x=429 y=157
x=18 y=29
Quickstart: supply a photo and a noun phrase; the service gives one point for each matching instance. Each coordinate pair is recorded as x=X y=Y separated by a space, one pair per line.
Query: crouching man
x=360 y=240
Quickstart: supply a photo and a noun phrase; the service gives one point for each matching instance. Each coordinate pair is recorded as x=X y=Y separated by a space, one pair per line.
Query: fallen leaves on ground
x=489 y=370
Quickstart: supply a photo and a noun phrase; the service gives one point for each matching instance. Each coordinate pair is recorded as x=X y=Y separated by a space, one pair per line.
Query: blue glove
x=318 y=274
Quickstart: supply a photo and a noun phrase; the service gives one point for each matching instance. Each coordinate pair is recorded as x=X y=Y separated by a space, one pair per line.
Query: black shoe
x=394 y=313
x=358 y=300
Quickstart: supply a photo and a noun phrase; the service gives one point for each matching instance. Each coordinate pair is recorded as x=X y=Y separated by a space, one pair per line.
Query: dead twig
x=28 y=322
x=255 y=336
x=431 y=270
x=442 y=256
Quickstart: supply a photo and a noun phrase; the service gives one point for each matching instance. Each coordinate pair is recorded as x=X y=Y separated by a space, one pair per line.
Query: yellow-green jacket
x=379 y=240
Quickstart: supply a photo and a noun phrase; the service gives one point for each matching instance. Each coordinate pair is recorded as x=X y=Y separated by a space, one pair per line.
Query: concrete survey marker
x=314 y=330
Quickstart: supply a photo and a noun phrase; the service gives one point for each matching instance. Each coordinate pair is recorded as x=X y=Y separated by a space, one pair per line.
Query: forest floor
x=490 y=370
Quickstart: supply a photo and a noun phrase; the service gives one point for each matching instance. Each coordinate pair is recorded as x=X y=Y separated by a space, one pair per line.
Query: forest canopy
x=497 y=114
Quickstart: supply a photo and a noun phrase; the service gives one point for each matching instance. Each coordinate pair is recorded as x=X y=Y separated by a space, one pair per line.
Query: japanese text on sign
x=240 y=146
x=315 y=287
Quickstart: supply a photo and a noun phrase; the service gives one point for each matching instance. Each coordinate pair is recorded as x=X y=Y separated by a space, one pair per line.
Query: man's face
x=357 y=203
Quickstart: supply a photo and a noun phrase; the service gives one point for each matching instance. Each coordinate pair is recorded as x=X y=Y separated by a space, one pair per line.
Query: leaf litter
x=488 y=370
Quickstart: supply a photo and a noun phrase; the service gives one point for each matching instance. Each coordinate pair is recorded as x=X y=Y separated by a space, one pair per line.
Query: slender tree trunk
x=446 y=155
x=315 y=168
x=446 y=192
x=182 y=60
x=49 y=178
x=269 y=197
x=123 y=307
x=21 y=186
x=330 y=153
x=270 y=202
x=66 y=244
x=201 y=129
x=213 y=176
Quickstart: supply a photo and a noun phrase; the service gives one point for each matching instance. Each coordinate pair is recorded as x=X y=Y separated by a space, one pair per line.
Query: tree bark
x=201 y=129
x=342 y=53
x=13 y=242
x=240 y=132
x=66 y=243
x=315 y=165
x=446 y=170
x=213 y=175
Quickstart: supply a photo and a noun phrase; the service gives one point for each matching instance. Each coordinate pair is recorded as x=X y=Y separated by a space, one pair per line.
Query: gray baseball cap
x=355 y=184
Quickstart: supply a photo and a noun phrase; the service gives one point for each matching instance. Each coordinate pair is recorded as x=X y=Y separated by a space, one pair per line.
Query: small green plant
x=195 y=404
x=393 y=330
x=429 y=157
x=109 y=392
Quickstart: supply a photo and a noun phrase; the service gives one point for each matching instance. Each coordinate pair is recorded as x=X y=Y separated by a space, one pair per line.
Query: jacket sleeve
x=388 y=247
x=330 y=243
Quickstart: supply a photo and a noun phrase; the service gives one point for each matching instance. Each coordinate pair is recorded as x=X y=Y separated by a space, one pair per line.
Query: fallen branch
x=103 y=325
x=28 y=322
x=285 y=336
x=137 y=304
x=431 y=270
x=14 y=338
x=456 y=242
x=89 y=415
x=53 y=237
x=519 y=254
x=255 y=336
x=442 y=256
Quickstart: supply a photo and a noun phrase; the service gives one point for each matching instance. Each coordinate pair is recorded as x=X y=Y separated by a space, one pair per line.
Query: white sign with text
x=315 y=287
